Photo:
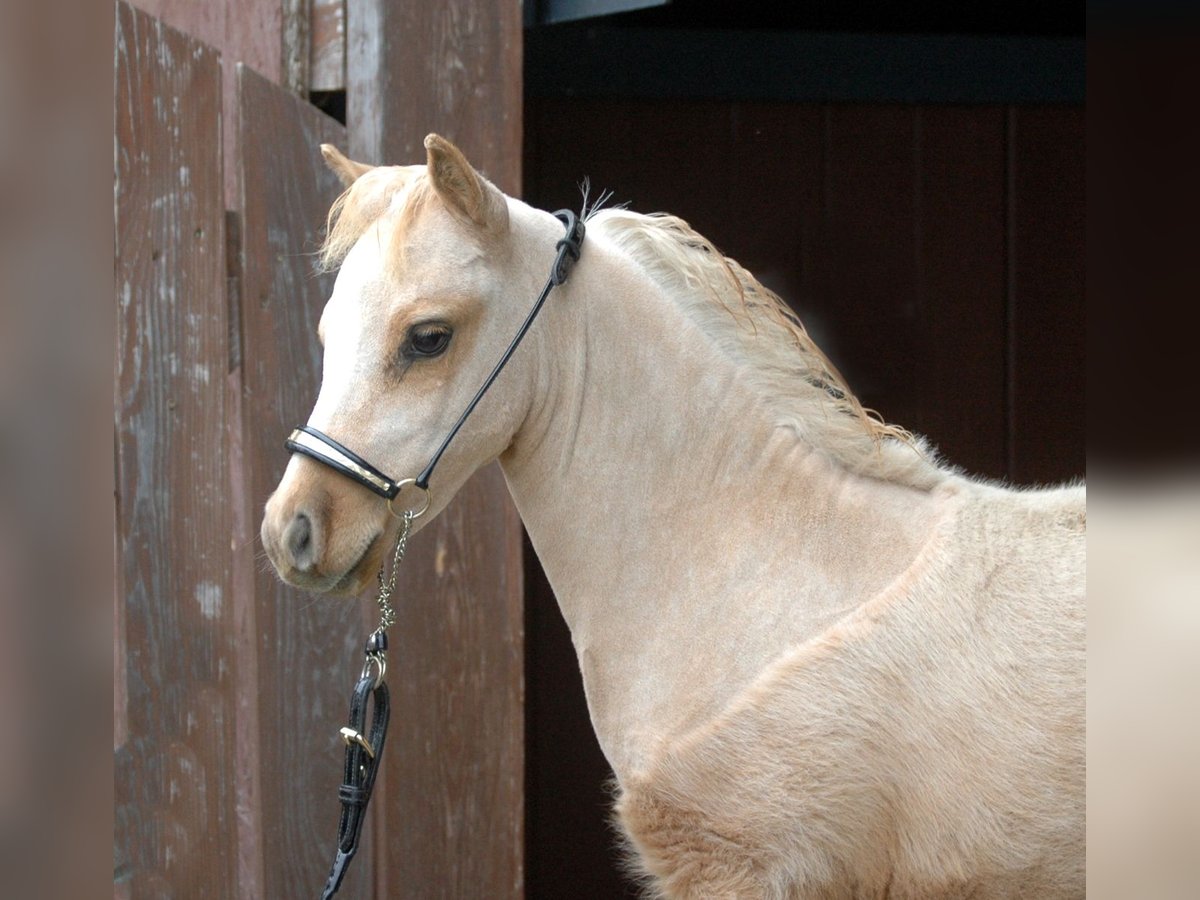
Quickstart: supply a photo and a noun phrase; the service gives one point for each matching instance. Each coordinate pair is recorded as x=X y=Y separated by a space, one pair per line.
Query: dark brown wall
x=936 y=254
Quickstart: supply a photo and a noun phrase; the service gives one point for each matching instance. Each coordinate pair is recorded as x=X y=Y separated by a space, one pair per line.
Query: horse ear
x=347 y=170
x=464 y=189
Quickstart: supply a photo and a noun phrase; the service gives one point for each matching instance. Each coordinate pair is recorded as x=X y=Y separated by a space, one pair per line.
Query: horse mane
x=750 y=324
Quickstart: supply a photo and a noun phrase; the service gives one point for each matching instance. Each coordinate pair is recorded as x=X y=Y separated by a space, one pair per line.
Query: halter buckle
x=350 y=736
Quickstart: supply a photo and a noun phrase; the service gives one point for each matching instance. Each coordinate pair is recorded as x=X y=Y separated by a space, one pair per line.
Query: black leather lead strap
x=363 y=757
x=568 y=253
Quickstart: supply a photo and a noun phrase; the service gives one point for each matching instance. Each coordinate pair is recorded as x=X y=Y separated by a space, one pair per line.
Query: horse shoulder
x=901 y=752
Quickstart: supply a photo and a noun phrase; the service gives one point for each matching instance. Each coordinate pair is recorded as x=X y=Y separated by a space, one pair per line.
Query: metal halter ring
x=416 y=513
x=378 y=662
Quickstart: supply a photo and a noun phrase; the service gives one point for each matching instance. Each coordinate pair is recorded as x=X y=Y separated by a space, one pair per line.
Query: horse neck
x=649 y=458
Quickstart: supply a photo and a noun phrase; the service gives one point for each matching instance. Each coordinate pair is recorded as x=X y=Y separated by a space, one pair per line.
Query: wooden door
x=231 y=687
x=176 y=772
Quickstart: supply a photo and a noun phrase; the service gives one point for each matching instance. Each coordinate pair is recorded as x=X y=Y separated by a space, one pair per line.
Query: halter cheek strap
x=310 y=442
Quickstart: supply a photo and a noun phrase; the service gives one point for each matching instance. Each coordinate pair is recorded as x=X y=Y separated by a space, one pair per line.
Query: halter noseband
x=319 y=446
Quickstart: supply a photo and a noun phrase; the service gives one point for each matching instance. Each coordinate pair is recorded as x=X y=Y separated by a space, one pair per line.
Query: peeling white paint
x=210 y=597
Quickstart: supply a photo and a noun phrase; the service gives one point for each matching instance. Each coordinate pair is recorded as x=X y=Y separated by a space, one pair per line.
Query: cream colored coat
x=820 y=665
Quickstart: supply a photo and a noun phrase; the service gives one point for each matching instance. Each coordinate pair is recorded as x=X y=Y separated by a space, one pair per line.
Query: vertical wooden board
x=249 y=32
x=453 y=805
x=174 y=816
x=1047 y=306
x=309 y=650
x=453 y=67
x=865 y=289
x=328 y=45
x=454 y=797
x=960 y=387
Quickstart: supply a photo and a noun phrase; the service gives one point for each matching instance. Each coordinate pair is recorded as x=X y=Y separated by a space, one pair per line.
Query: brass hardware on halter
x=350 y=736
x=377 y=661
x=414 y=513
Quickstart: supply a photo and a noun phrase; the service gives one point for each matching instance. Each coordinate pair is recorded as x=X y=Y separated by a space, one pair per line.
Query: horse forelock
x=751 y=325
x=395 y=192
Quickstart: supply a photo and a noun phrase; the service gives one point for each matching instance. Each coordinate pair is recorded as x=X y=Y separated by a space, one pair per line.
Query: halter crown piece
x=363 y=750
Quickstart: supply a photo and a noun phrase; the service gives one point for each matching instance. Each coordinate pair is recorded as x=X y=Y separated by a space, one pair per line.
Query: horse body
x=800 y=674
x=928 y=744
x=820 y=664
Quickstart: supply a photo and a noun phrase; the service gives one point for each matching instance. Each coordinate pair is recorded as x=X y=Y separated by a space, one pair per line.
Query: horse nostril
x=298 y=538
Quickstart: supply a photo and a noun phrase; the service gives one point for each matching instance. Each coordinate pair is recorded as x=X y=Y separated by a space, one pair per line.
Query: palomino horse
x=820 y=663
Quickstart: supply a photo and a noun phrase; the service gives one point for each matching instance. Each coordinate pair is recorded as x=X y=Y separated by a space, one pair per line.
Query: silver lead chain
x=387 y=615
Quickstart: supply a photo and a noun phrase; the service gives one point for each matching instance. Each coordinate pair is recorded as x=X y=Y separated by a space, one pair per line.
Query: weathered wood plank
x=451 y=67
x=174 y=816
x=249 y=32
x=308 y=651
x=328 y=60
x=454 y=802
x=297 y=45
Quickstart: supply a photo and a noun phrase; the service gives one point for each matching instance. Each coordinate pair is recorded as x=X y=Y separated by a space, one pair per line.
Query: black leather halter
x=324 y=449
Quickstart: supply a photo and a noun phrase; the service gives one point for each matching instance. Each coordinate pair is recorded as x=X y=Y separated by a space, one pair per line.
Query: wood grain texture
x=249 y=32
x=328 y=53
x=453 y=811
x=453 y=802
x=297 y=45
x=174 y=815
x=309 y=650
x=452 y=66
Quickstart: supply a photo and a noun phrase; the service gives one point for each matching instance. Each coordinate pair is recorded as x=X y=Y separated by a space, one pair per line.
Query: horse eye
x=428 y=341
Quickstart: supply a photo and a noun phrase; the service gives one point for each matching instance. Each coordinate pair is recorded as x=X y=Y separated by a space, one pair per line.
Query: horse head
x=430 y=288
